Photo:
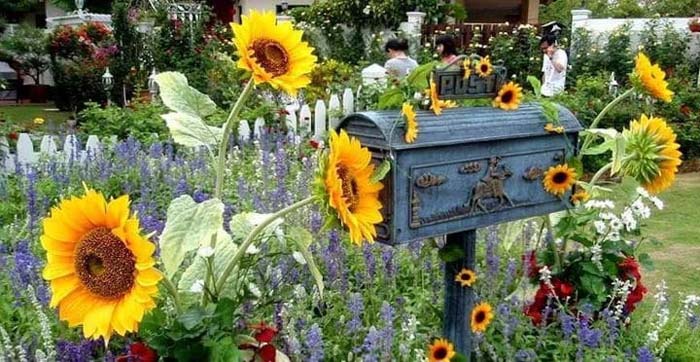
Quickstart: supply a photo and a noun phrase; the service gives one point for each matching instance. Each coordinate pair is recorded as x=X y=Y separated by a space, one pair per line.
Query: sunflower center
x=480 y=317
x=440 y=353
x=507 y=97
x=484 y=68
x=466 y=276
x=271 y=55
x=350 y=191
x=560 y=177
x=105 y=266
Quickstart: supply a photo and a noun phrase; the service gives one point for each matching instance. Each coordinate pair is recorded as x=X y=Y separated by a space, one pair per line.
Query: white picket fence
x=299 y=122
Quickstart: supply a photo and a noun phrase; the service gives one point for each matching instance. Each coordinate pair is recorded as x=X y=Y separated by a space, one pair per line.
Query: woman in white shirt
x=399 y=64
x=554 y=64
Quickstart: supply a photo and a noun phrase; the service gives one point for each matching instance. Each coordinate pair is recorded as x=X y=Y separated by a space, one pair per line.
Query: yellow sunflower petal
x=62 y=287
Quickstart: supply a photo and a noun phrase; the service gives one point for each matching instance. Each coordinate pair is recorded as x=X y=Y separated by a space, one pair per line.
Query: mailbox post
x=469 y=168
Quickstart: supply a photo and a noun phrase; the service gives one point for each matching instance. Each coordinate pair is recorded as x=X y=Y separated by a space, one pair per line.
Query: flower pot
x=37 y=93
x=694 y=28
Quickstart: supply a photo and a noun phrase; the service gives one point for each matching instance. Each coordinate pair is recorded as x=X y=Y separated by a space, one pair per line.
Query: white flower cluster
x=621 y=290
x=546 y=276
x=49 y=353
x=597 y=256
x=7 y=352
x=611 y=225
x=662 y=313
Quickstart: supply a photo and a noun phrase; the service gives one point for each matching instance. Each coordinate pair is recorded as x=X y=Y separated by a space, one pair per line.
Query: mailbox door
x=448 y=189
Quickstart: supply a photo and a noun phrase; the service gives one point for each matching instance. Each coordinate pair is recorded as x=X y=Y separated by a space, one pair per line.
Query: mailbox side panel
x=449 y=189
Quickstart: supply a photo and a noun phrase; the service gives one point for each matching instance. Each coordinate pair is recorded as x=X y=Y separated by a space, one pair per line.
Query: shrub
x=25 y=51
x=141 y=121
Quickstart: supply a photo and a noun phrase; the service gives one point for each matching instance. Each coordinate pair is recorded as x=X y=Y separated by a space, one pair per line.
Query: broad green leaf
x=381 y=171
x=224 y=350
x=392 y=98
x=607 y=133
x=593 y=284
x=576 y=164
x=458 y=357
x=618 y=155
x=303 y=239
x=179 y=96
x=536 y=85
x=188 y=226
x=242 y=224
x=193 y=316
x=223 y=251
x=191 y=131
x=418 y=78
x=551 y=111
x=606 y=146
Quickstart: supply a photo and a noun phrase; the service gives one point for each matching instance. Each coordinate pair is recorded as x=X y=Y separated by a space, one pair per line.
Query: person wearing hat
x=554 y=64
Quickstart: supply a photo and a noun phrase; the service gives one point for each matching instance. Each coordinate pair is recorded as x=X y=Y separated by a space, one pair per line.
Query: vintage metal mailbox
x=469 y=167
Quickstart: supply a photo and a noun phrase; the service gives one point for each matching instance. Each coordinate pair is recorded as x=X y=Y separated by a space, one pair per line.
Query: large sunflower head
x=411 y=123
x=482 y=314
x=346 y=186
x=651 y=153
x=466 y=277
x=441 y=351
x=101 y=269
x=484 y=67
x=559 y=179
x=273 y=52
x=509 y=97
x=650 y=79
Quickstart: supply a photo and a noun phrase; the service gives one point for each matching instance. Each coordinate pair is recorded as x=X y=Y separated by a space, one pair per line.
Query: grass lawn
x=23 y=114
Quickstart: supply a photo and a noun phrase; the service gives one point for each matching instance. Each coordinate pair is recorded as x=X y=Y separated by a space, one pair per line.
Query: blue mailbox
x=469 y=167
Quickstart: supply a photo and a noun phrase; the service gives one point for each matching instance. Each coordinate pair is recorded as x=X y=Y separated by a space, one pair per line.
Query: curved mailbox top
x=385 y=129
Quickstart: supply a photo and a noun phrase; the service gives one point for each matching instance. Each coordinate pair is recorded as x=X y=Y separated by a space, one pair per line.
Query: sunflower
x=411 y=123
x=440 y=351
x=466 y=65
x=484 y=67
x=509 y=97
x=549 y=127
x=100 y=268
x=651 y=79
x=482 y=315
x=273 y=52
x=652 y=155
x=466 y=277
x=559 y=179
x=435 y=103
x=346 y=179
x=579 y=197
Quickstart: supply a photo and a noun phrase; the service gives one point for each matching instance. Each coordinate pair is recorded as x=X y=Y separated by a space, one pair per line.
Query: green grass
x=24 y=114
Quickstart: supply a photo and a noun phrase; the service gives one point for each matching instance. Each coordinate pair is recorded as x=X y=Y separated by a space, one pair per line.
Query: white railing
x=299 y=123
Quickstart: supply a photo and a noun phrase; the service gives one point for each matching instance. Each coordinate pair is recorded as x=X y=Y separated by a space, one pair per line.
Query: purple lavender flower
x=387 y=333
x=589 y=337
x=388 y=259
x=612 y=324
x=27 y=271
x=371 y=345
x=314 y=344
x=32 y=207
x=568 y=324
x=279 y=320
x=356 y=306
x=281 y=196
x=693 y=321
x=645 y=355
x=510 y=273
x=200 y=196
x=492 y=258
x=331 y=256
x=82 y=351
x=181 y=187
x=525 y=355
x=316 y=222
x=370 y=261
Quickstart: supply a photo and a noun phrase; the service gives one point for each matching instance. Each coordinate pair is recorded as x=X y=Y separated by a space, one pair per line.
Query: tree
x=26 y=52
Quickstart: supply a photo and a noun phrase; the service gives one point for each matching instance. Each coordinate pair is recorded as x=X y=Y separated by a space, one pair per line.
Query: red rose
x=630 y=268
x=140 y=352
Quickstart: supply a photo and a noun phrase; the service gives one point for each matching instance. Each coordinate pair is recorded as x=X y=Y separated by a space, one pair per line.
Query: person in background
x=399 y=64
x=446 y=49
x=554 y=64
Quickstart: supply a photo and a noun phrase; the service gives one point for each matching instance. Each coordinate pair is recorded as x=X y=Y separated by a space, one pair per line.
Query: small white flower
x=642 y=192
x=254 y=290
x=197 y=286
x=657 y=202
x=600 y=227
x=417 y=96
x=628 y=220
x=252 y=249
x=616 y=224
x=614 y=236
x=366 y=10
x=607 y=216
x=299 y=257
x=205 y=251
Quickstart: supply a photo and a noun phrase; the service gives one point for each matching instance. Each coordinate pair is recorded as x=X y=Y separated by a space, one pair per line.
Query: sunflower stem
x=228 y=127
x=253 y=235
x=173 y=293
x=600 y=173
x=589 y=137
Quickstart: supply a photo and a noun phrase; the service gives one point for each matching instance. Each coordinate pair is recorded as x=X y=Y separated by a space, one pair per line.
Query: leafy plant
x=26 y=51
x=141 y=121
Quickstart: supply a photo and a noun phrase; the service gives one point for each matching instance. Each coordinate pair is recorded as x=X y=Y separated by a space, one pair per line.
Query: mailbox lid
x=381 y=129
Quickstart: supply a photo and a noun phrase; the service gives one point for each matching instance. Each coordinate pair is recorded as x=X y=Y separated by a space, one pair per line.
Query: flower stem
x=600 y=173
x=173 y=293
x=553 y=245
x=253 y=234
x=228 y=127
x=589 y=137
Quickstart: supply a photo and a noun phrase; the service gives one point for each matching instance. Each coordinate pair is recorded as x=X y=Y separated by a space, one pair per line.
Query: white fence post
x=258 y=127
x=48 y=146
x=25 y=150
x=305 y=119
x=93 y=146
x=348 y=102
x=333 y=110
x=319 y=119
x=291 y=120
x=243 y=131
x=71 y=148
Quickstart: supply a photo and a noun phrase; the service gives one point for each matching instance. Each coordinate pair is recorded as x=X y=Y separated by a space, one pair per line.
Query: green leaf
x=646 y=261
x=458 y=357
x=381 y=171
x=188 y=226
x=606 y=146
x=576 y=164
x=225 y=311
x=606 y=133
x=391 y=99
x=193 y=316
x=224 y=350
x=303 y=239
x=418 y=78
x=242 y=224
x=551 y=111
x=536 y=85
x=451 y=253
x=179 y=96
x=224 y=251
x=191 y=131
x=618 y=154
x=593 y=284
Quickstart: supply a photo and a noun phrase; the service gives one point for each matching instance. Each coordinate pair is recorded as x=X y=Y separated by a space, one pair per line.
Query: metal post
x=459 y=300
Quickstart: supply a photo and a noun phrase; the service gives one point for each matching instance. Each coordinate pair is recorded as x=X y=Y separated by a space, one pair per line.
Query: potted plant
x=694 y=25
x=25 y=50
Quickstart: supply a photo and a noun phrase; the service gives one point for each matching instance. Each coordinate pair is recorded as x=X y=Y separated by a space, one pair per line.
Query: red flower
x=267 y=353
x=314 y=144
x=562 y=289
x=635 y=297
x=263 y=332
x=13 y=136
x=530 y=259
x=534 y=311
x=630 y=268
x=139 y=352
